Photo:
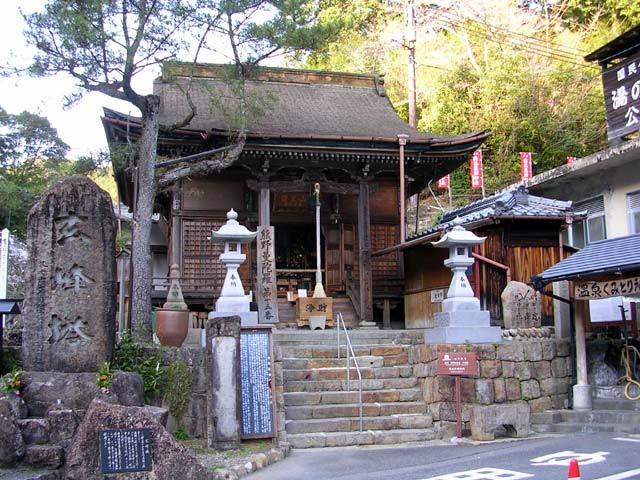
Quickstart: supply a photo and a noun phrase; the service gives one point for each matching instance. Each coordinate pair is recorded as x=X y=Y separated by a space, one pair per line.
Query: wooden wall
x=527 y=247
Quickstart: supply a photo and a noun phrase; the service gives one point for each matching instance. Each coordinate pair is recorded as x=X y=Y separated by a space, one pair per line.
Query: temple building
x=303 y=127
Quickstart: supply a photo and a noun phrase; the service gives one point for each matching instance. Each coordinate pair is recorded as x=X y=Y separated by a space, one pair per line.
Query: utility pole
x=410 y=44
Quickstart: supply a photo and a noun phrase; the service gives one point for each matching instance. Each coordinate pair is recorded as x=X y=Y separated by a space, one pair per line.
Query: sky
x=80 y=126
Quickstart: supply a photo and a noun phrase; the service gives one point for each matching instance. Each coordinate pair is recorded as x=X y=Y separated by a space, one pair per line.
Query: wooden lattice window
x=383 y=236
x=201 y=267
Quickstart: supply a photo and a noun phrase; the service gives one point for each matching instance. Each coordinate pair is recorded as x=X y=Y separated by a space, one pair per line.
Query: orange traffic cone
x=574 y=470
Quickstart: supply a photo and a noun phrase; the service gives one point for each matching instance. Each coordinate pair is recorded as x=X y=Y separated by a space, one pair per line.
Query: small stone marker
x=125 y=450
x=521 y=306
x=69 y=308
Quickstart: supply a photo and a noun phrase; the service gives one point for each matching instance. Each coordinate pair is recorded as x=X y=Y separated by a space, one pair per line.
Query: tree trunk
x=141 y=255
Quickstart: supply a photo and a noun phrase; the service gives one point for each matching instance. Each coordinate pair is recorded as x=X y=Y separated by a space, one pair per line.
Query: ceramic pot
x=172 y=326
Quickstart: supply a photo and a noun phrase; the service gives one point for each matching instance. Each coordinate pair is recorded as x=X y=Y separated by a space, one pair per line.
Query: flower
x=103 y=377
x=12 y=382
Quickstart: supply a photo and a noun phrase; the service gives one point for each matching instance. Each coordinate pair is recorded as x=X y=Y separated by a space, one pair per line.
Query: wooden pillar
x=386 y=314
x=364 y=245
x=174 y=255
x=582 y=389
x=265 y=205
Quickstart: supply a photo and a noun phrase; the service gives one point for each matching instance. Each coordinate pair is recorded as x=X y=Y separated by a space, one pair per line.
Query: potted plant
x=172 y=320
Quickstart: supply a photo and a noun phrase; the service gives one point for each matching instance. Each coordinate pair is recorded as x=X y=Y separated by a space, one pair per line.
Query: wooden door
x=339 y=255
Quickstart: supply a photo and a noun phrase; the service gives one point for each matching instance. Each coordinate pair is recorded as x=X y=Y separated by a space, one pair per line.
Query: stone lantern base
x=462 y=326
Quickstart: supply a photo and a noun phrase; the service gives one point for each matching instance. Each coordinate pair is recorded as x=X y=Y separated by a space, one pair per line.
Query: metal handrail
x=350 y=353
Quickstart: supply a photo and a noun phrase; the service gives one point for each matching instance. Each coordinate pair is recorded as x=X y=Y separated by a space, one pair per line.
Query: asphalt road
x=601 y=456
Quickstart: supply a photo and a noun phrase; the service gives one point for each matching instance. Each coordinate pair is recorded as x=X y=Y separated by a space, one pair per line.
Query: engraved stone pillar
x=70 y=302
x=223 y=382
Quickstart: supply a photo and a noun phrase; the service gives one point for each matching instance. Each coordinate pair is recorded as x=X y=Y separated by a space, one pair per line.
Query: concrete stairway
x=319 y=410
x=612 y=412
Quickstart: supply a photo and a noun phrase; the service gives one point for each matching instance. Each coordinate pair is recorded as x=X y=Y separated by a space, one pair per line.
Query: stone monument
x=70 y=302
x=521 y=306
x=233 y=300
x=461 y=319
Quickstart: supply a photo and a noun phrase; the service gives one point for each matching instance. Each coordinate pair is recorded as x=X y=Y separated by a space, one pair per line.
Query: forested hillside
x=513 y=67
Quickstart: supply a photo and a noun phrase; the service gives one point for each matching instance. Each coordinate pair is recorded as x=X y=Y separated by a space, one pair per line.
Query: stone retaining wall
x=535 y=371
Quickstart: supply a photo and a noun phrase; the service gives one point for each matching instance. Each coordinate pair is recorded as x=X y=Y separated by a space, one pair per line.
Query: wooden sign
x=622 y=97
x=267 y=286
x=308 y=306
x=125 y=450
x=257 y=392
x=453 y=363
x=612 y=288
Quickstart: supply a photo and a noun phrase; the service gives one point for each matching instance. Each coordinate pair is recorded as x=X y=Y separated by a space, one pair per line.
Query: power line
x=531 y=43
x=529 y=48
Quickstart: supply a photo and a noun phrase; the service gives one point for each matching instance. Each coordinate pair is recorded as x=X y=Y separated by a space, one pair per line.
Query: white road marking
x=621 y=439
x=483 y=474
x=622 y=475
x=564 y=458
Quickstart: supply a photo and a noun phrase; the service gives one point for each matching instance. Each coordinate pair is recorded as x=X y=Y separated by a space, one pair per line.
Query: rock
x=18 y=405
x=44 y=456
x=521 y=306
x=62 y=423
x=12 y=446
x=70 y=302
x=170 y=459
x=75 y=391
x=34 y=430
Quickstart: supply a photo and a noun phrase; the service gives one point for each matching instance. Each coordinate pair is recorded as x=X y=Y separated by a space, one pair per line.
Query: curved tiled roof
x=513 y=203
x=286 y=102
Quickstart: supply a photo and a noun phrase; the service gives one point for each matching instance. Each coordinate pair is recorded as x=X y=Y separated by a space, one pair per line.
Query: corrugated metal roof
x=606 y=257
x=513 y=203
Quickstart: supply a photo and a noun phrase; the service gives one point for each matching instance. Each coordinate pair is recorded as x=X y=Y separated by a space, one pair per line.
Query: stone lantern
x=233 y=300
x=459 y=242
x=461 y=319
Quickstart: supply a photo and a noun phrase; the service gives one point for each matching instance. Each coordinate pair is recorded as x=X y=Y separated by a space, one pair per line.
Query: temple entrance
x=295 y=251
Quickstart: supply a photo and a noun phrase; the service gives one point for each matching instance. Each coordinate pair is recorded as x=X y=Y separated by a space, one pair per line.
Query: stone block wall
x=195 y=420
x=535 y=371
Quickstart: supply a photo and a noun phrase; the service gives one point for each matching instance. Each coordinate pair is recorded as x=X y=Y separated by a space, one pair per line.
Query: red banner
x=475 y=166
x=526 y=169
x=444 y=182
x=570 y=160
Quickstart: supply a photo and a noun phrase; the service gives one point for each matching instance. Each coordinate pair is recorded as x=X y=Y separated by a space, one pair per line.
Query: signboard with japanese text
x=475 y=167
x=125 y=450
x=526 y=167
x=621 y=85
x=457 y=363
x=267 y=294
x=612 y=288
x=308 y=306
x=256 y=386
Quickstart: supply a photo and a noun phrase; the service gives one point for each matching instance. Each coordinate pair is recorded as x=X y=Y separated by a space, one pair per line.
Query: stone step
x=597 y=420
x=600 y=416
x=366 y=437
x=357 y=337
x=341 y=397
x=616 y=404
x=352 y=424
x=341 y=385
x=579 y=427
x=44 y=456
x=309 y=363
x=340 y=373
x=308 y=412
x=330 y=351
